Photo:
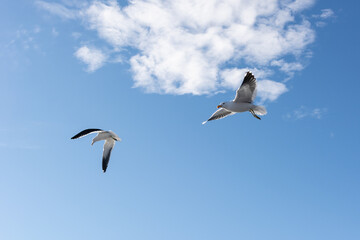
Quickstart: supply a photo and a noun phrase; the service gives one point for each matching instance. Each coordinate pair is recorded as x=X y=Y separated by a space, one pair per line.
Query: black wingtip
x=85 y=132
x=249 y=74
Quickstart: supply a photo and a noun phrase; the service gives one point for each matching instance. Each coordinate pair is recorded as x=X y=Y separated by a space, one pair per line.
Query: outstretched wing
x=221 y=113
x=108 y=146
x=247 y=91
x=86 y=132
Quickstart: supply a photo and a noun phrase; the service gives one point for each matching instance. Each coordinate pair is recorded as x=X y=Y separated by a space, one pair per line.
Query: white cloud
x=325 y=14
x=186 y=46
x=54 y=32
x=270 y=90
x=25 y=38
x=232 y=78
x=57 y=9
x=298 y=5
x=76 y=35
x=288 y=67
x=93 y=57
x=303 y=112
x=318 y=112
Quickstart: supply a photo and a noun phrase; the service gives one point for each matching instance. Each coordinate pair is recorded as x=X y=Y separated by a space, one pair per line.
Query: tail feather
x=259 y=110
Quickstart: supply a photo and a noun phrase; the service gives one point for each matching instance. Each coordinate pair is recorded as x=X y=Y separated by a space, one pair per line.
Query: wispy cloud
x=288 y=67
x=37 y=29
x=303 y=112
x=324 y=15
x=185 y=46
x=54 y=32
x=76 y=35
x=25 y=38
x=93 y=57
x=57 y=9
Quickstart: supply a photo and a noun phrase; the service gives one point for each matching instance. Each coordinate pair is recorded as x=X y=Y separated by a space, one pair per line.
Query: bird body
x=243 y=107
x=109 y=137
x=237 y=107
x=242 y=102
x=105 y=135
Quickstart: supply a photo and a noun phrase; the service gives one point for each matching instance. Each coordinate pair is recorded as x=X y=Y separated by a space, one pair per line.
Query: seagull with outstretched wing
x=242 y=102
x=109 y=137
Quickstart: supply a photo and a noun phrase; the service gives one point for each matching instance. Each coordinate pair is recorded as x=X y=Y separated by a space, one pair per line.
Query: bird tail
x=259 y=110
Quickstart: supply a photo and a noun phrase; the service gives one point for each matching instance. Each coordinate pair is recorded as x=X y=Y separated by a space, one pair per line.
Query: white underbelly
x=239 y=107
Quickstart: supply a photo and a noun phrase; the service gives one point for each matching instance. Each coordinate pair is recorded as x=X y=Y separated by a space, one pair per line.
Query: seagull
x=109 y=137
x=242 y=102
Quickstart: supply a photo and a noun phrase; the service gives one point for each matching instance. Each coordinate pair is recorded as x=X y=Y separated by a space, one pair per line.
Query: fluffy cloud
x=93 y=57
x=270 y=90
x=197 y=47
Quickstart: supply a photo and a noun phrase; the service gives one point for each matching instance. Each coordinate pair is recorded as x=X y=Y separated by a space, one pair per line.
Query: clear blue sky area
x=294 y=175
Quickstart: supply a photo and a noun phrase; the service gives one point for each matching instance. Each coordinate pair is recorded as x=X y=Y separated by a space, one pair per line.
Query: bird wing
x=247 y=90
x=108 y=146
x=86 y=132
x=221 y=113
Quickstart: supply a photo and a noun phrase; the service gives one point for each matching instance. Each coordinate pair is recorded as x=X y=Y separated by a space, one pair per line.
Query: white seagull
x=242 y=102
x=109 y=137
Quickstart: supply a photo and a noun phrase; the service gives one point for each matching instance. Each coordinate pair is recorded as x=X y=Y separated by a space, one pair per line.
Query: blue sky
x=152 y=76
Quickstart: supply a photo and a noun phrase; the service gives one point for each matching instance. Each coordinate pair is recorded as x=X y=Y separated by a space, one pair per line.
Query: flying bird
x=110 y=139
x=242 y=102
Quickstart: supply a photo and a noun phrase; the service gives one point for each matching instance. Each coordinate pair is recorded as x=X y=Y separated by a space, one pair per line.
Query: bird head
x=221 y=105
x=114 y=136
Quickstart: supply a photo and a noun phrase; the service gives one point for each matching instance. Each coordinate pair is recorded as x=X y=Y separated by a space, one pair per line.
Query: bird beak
x=219 y=106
